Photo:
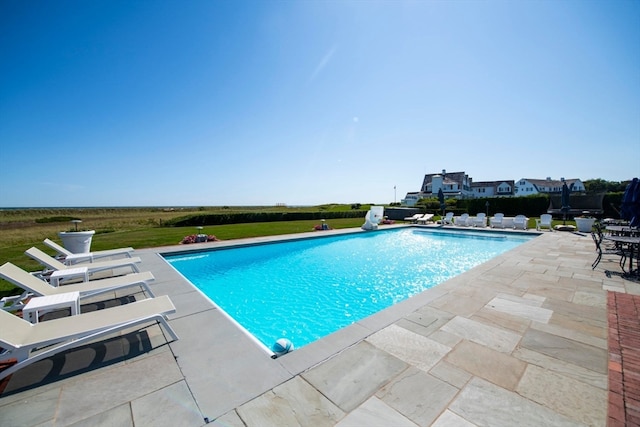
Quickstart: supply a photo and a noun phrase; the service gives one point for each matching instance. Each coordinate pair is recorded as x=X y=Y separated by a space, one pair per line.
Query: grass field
x=136 y=227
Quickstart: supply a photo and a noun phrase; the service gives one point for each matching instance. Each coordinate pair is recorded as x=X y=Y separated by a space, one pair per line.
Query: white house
x=454 y=185
x=493 y=188
x=411 y=199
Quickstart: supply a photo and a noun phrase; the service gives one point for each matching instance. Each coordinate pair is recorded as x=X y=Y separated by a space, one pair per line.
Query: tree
x=601 y=186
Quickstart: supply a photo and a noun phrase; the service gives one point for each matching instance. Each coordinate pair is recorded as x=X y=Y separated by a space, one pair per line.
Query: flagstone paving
x=523 y=340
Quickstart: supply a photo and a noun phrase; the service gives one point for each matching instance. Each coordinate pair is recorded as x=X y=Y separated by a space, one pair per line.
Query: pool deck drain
x=527 y=329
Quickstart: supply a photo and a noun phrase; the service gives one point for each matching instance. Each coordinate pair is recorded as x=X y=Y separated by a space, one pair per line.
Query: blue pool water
x=306 y=289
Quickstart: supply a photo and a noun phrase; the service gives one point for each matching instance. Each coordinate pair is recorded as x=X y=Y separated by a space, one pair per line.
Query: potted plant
x=585 y=222
x=77 y=241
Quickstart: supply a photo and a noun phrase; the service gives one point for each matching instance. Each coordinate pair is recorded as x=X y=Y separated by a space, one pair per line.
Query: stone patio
x=519 y=340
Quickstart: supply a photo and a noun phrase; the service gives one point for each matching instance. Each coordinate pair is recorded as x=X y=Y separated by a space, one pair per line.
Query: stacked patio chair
x=606 y=249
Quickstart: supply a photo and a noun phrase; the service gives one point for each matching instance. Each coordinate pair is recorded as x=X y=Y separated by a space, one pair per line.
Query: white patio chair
x=448 y=219
x=480 y=220
x=520 y=222
x=425 y=218
x=53 y=264
x=462 y=220
x=18 y=338
x=496 y=221
x=63 y=253
x=39 y=287
x=413 y=218
x=544 y=222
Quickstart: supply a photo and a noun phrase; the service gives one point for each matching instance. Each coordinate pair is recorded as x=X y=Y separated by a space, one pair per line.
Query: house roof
x=492 y=183
x=552 y=182
x=449 y=178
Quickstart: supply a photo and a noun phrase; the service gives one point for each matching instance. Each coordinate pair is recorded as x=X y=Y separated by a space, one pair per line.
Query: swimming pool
x=306 y=289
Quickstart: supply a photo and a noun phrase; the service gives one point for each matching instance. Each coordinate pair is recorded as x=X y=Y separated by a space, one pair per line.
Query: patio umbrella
x=565 y=202
x=630 y=209
x=441 y=200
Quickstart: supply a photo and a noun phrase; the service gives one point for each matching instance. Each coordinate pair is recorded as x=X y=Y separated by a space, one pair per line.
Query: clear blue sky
x=155 y=103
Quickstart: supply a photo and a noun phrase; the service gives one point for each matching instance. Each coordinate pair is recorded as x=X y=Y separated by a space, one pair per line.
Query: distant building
x=528 y=186
x=460 y=185
x=454 y=185
x=493 y=188
x=411 y=199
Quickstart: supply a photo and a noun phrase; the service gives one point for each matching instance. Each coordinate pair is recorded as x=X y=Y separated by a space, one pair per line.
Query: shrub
x=193 y=238
x=51 y=219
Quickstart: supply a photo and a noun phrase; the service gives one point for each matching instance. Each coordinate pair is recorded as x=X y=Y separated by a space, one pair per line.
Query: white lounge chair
x=462 y=220
x=496 y=221
x=53 y=264
x=18 y=338
x=544 y=222
x=70 y=258
x=413 y=218
x=448 y=219
x=520 y=222
x=36 y=286
x=480 y=220
x=15 y=302
x=424 y=219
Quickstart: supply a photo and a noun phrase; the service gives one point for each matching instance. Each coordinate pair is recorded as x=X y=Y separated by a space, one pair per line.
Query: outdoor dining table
x=632 y=243
x=622 y=230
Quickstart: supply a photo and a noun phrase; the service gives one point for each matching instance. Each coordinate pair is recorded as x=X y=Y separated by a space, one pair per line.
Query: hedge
x=531 y=206
x=248 y=217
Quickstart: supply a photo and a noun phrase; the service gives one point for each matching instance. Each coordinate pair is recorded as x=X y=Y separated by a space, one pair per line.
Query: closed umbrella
x=565 y=202
x=630 y=209
x=441 y=200
x=635 y=222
